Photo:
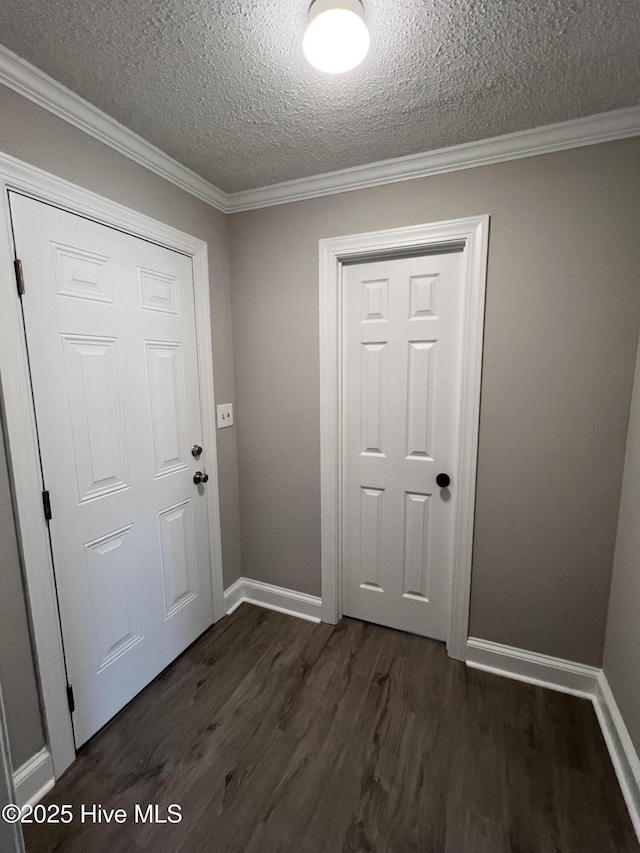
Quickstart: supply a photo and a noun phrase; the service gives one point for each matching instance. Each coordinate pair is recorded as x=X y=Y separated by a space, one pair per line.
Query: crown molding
x=31 y=83
x=604 y=127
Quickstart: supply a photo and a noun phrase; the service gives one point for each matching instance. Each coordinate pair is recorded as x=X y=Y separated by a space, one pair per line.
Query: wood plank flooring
x=277 y=735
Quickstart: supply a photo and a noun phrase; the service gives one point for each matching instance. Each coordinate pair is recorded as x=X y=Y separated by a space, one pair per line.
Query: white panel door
x=110 y=324
x=401 y=385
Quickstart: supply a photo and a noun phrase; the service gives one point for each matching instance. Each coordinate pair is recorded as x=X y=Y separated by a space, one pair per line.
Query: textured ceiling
x=222 y=85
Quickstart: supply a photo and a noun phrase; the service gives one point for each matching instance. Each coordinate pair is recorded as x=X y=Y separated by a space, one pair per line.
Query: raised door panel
x=419 y=417
x=94 y=392
x=416 y=546
x=371 y=506
x=375 y=300
x=158 y=292
x=177 y=547
x=114 y=595
x=422 y=296
x=372 y=395
x=82 y=274
x=168 y=406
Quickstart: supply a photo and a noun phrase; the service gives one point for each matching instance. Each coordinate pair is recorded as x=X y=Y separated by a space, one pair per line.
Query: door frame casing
x=473 y=235
x=20 y=425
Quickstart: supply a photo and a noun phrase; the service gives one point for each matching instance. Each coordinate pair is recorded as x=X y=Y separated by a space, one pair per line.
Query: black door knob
x=443 y=480
x=196 y=450
x=205 y=478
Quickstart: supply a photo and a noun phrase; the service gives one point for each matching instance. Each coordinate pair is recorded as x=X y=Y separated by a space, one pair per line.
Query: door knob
x=443 y=480
x=199 y=477
x=196 y=450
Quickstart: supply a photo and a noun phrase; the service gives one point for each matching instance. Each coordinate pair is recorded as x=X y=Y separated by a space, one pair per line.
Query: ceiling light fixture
x=337 y=38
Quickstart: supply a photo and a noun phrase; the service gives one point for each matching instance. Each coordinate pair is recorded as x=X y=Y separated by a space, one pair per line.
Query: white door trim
x=19 y=421
x=473 y=234
x=11 y=840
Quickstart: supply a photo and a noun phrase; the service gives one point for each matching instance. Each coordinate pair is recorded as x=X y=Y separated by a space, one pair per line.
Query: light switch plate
x=225 y=415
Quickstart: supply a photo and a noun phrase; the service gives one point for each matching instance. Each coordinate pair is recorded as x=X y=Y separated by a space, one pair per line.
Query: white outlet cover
x=225 y=415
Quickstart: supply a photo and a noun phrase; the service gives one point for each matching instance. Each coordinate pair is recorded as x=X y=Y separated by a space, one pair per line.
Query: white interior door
x=110 y=324
x=402 y=323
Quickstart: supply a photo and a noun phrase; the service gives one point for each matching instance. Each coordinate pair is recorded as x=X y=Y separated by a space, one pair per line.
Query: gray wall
x=622 y=645
x=562 y=313
x=17 y=674
x=37 y=137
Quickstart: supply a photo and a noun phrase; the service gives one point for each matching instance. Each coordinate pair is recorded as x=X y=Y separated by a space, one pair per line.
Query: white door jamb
x=20 y=427
x=473 y=235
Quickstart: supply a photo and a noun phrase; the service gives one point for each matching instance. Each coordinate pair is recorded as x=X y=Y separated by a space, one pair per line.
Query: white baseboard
x=534 y=668
x=278 y=598
x=34 y=779
x=621 y=749
x=579 y=680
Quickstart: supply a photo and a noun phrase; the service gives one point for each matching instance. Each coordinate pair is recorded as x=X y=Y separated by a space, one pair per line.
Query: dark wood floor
x=276 y=735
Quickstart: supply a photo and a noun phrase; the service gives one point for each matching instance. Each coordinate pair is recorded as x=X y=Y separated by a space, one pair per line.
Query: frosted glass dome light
x=337 y=38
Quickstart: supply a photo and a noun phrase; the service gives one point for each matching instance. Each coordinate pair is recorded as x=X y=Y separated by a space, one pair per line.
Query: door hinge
x=17 y=265
x=46 y=503
x=70 y=699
